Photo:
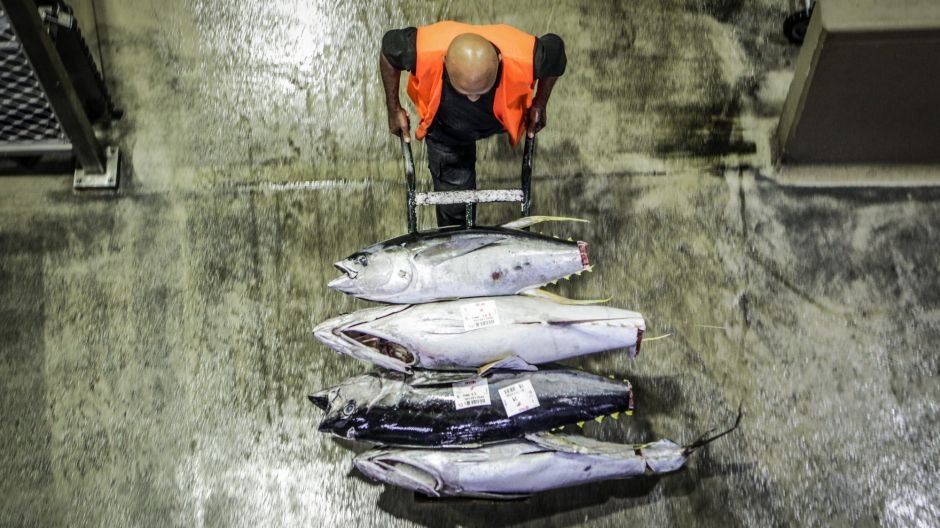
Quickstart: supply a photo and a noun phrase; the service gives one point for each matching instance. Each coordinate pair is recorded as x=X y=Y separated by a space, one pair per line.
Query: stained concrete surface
x=156 y=345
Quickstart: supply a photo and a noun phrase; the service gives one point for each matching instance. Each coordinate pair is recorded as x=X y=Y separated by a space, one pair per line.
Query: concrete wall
x=866 y=89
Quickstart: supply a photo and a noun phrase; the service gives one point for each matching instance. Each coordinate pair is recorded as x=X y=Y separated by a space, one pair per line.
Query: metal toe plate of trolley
x=107 y=180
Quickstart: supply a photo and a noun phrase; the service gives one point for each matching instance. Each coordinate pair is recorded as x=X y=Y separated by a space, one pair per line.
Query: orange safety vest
x=514 y=93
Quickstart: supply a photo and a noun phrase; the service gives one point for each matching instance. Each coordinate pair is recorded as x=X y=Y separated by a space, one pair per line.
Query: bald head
x=472 y=63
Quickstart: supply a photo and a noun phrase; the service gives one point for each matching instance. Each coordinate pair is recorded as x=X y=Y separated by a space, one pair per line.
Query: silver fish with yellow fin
x=454 y=262
x=512 y=331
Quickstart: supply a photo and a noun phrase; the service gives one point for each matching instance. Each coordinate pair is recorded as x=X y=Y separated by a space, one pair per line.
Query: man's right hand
x=399 y=123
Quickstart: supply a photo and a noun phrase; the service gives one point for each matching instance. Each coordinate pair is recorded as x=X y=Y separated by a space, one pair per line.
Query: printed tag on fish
x=471 y=393
x=479 y=315
x=519 y=398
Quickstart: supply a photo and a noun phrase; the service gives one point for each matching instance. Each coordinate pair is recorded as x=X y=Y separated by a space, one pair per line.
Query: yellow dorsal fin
x=486 y=367
x=544 y=294
x=511 y=362
x=527 y=221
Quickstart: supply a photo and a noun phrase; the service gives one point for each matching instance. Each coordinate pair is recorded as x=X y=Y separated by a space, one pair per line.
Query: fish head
x=376 y=272
x=351 y=335
x=347 y=405
x=402 y=468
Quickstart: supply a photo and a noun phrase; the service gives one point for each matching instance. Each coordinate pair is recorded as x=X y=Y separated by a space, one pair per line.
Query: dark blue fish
x=439 y=409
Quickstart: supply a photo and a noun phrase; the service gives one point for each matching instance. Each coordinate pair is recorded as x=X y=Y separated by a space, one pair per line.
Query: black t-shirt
x=459 y=120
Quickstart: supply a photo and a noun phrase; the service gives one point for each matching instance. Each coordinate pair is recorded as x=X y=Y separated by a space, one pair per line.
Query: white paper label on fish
x=471 y=393
x=519 y=398
x=479 y=315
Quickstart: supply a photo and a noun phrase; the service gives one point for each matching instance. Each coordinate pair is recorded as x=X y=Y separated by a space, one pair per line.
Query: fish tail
x=705 y=439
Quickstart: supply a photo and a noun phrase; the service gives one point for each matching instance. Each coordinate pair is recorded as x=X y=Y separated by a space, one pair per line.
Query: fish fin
x=495 y=496
x=438 y=378
x=440 y=253
x=513 y=362
x=539 y=293
x=527 y=221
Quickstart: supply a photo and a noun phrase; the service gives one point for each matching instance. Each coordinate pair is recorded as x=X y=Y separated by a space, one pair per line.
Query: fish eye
x=349 y=408
x=363 y=260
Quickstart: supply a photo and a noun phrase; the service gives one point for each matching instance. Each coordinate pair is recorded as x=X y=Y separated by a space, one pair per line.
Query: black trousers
x=453 y=168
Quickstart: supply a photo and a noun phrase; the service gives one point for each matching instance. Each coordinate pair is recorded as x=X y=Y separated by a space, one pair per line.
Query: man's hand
x=535 y=119
x=399 y=123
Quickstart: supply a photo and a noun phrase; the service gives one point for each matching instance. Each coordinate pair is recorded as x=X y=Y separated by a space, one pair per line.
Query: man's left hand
x=535 y=119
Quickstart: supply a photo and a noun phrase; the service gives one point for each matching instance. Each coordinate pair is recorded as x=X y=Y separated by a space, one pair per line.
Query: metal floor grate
x=26 y=118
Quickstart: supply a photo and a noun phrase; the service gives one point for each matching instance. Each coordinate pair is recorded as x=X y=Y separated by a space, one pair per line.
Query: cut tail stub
x=583 y=248
x=630 y=401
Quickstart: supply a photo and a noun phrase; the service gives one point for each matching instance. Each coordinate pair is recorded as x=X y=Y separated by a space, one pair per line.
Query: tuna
x=518 y=468
x=442 y=409
x=455 y=262
x=511 y=331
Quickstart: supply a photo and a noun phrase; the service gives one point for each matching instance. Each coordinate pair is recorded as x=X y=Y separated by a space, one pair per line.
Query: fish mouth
x=639 y=341
x=399 y=473
x=350 y=272
x=345 y=335
x=381 y=346
x=321 y=399
x=345 y=282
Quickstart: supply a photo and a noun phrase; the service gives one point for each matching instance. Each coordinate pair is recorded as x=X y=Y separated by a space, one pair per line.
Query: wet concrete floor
x=156 y=344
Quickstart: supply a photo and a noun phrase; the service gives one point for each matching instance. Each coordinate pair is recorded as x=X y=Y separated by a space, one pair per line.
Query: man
x=467 y=82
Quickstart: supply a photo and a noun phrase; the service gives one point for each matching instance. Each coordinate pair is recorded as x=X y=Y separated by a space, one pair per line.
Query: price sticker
x=471 y=393
x=479 y=315
x=519 y=398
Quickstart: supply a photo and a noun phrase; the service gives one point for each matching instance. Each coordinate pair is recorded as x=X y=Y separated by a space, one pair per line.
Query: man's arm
x=550 y=63
x=536 y=118
x=398 y=122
